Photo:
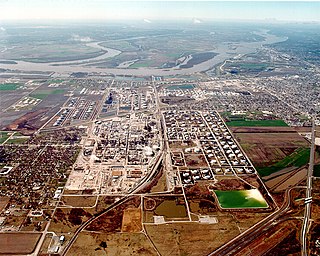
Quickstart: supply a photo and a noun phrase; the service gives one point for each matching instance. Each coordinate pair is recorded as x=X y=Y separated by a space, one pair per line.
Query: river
x=224 y=51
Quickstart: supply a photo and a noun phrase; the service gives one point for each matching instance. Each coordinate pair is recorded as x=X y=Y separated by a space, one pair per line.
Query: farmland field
x=18 y=243
x=267 y=123
x=131 y=221
x=9 y=86
x=241 y=199
x=41 y=94
x=268 y=146
x=298 y=158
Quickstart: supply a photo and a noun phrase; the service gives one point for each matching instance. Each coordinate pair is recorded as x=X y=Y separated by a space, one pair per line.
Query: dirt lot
x=3 y=202
x=195 y=160
x=18 y=243
x=266 y=148
x=191 y=238
x=230 y=184
x=124 y=244
x=131 y=220
x=26 y=121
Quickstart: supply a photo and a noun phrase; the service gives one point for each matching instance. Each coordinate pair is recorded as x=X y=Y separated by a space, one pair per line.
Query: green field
x=44 y=94
x=181 y=87
x=250 y=123
x=298 y=158
x=9 y=86
x=141 y=64
x=3 y=136
x=55 y=81
x=17 y=140
x=316 y=170
x=241 y=199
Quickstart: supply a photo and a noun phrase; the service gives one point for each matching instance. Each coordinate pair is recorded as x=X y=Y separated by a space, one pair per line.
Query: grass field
x=298 y=158
x=44 y=94
x=256 y=123
x=124 y=244
x=9 y=86
x=192 y=239
x=17 y=140
x=141 y=64
x=241 y=199
x=3 y=136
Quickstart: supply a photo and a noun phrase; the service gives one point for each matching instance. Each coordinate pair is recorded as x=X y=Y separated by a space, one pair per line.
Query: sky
x=155 y=10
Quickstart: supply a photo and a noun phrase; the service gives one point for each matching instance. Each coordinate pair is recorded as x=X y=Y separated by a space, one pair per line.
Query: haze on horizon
x=154 y=10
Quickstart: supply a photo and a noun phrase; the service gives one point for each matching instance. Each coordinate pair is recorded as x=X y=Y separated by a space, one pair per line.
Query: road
x=307 y=211
x=244 y=239
x=148 y=179
x=145 y=182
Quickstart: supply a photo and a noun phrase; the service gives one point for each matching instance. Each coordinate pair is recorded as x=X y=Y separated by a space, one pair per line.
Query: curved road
x=245 y=238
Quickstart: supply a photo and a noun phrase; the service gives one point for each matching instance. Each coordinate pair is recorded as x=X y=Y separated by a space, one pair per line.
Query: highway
x=307 y=211
x=244 y=239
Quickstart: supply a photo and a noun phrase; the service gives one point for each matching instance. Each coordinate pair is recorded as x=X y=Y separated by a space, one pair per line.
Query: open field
x=18 y=243
x=41 y=94
x=45 y=244
x=298 y=158
x=280 y=240
x=68 y=219
x=3 y=202
x=112 y=220
x=268 y=146
x=241 y=199
x=280 y=181
x=9 y=86
x=124 y=244
x=161 y=184
x=191 y=238
x=4 y=136
x=50 y=52
x=249 y=123
x=79 y=201
x=17 y=140
x=131 y=220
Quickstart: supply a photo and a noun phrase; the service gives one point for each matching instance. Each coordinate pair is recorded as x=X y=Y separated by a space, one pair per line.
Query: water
x=251 y=198
x=223 y=50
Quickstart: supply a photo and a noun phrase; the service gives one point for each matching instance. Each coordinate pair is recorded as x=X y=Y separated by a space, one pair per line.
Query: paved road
x=245 y=238
x=148 y=179
x=307 y=211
